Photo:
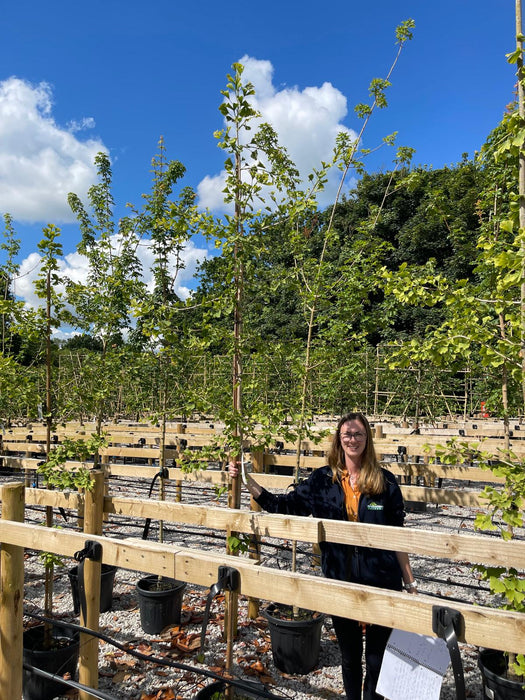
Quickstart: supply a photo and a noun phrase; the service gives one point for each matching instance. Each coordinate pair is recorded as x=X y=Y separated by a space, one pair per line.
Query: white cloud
x=307 y=122
x=75 y=267
x=85 y=123
x=210 y=191
x=191 y=256
x=40 y=162
x=24 y=281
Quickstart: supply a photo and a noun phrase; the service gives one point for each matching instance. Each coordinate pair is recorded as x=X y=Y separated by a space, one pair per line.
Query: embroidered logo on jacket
x=374 y=506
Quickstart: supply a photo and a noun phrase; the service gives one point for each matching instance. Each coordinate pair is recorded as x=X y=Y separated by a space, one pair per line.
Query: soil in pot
x=493 y=667
x=296 y=641
x=107 y=579
x=62 y=658
x=160 y=602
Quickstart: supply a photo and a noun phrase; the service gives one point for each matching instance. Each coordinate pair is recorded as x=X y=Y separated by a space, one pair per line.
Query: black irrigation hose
x=96 y=693
x=159 y=660
x=210 y=535
x=432 y=579
x=440 y=597
x=162 y=473
x=278 y=547
x=306 y=553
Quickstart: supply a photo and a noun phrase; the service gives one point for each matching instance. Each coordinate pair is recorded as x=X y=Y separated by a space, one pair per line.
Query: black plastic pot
x=60 y=660
x=159 y=607
x=295 y=642
x=107 y=579
x=209 y=690
x=493 y=665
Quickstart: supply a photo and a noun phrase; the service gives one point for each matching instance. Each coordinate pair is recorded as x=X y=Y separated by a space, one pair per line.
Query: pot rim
x=489 y=674
x=315 y=617
x=142 y=584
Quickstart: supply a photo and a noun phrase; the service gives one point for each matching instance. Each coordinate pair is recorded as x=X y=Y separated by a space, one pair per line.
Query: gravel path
x=122 y=676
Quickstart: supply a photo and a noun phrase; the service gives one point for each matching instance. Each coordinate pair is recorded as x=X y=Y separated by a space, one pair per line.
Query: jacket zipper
x=354 y=551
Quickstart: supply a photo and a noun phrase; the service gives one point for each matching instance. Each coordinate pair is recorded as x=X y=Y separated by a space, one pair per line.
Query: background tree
x=8 y=271
x=479 y=317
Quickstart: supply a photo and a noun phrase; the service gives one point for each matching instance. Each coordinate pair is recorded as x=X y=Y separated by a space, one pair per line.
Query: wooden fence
x=483 y=626
x=408 y=456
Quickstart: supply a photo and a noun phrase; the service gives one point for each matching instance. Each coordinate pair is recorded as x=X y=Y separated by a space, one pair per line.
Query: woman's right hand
x=233 y=469
x=252 y=486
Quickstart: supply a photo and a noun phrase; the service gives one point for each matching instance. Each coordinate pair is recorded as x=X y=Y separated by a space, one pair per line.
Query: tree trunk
x=521 y=186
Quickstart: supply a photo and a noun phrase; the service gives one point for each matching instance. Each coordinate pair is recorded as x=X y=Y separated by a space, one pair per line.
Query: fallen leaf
x=267 y=680
x=145 y=649
x=121 y=676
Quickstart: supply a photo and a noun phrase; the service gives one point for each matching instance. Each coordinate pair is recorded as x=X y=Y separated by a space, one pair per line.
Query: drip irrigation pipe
x=93 y=692
x=161 y=661
x=163 y=474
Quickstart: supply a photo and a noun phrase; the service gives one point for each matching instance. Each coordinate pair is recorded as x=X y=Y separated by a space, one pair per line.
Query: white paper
x=413 y=667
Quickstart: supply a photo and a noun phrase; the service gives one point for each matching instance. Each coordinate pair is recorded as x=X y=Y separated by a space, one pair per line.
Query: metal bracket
x=448 y=624
x=229 y=579
x=92 y=550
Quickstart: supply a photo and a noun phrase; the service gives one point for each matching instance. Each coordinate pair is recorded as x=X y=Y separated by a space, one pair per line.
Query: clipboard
x=413 y=667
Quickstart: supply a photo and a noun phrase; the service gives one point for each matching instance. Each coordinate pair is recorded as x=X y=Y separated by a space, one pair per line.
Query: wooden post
x=255 y=545
x=231 y=604
x=180 y=430
x=376 y=386
x=11 y=598
x=27 y=473
x=88 y=660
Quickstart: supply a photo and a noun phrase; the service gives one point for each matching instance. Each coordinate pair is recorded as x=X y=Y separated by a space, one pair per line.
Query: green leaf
x=514 y=56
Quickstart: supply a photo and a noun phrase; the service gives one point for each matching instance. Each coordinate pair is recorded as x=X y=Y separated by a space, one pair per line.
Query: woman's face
x=353 y=440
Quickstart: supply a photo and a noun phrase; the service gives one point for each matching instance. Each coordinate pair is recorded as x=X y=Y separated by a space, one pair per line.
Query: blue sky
x=77 y=78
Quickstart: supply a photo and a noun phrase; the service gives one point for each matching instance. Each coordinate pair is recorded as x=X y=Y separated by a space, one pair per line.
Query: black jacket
x=321 y=497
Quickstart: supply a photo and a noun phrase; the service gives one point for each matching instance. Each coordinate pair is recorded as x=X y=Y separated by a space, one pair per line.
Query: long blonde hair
x=371 y=480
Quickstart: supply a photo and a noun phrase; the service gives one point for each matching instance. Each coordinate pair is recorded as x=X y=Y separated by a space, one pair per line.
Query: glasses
x=346 y=437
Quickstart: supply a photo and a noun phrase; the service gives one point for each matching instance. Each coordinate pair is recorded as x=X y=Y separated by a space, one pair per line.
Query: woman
x=352 y=487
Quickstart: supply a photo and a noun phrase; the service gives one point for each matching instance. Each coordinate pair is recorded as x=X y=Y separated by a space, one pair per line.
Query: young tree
x=166 y=226
x=47 y=288
x=259 y=176
x=480 y=316
x=330 y=296
x=102 y=303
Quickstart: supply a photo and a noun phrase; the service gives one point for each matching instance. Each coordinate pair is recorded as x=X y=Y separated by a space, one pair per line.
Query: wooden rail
x=483 y=626
x=374 y=605
x=430 y=473
x=418 y=445
x=416 y=457
x=458 y=547
x=149 y=434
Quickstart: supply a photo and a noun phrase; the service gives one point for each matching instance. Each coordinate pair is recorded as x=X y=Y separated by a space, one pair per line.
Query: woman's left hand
x=410 y=586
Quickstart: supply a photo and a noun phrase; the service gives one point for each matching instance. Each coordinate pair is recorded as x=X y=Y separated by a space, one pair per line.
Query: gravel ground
x=121 y=675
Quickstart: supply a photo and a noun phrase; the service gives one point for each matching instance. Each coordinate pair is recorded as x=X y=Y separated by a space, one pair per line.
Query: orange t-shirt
x=352 y=494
